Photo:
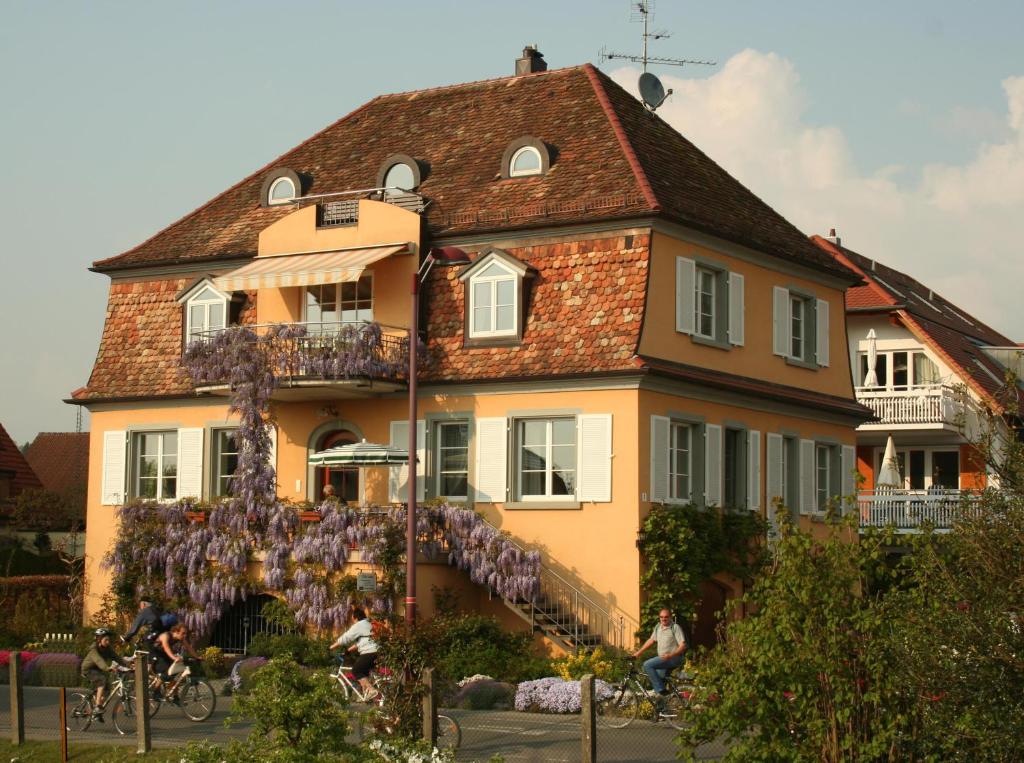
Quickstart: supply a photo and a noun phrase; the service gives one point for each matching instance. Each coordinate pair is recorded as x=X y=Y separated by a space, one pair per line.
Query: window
x=399 y=176
x=493 y=303
x=525 y=161
x=328 y=306
x=205 y=313
x=800 y=327
x=680 y=462
x=790 y=472
x=925 y=468
x=822 y=476
x=155 y=465
x=225 y=461
x=282 y=191
x=452 y=459
x=734 y=468
x=705 y=303
x=901 y=369
x=545 y=458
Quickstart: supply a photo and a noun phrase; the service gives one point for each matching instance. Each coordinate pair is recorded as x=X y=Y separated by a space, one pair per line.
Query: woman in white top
x=359 y=638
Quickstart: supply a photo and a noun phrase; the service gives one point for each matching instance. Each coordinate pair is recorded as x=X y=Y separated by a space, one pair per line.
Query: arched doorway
x=243 y=620
x=344 y=479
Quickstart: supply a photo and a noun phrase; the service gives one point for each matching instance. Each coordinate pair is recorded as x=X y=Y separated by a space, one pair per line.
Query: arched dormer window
x=400 y=172
x=525 y=157
x=494 y=298
x=280 y=186
x=207 y=310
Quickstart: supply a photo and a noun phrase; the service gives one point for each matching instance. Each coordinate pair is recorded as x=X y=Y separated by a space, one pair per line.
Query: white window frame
x=216 y=454
x=492 y=283
x=548 y=496
x=193 y=332
x=161 y=455
x=271 y=201
x=513 y=172
x=801 y=321
x=395 y=189
x=439 y=474
x=339 y=305
x=888 y=383
x=822 y=474
x=711 y=276
x=675 y=427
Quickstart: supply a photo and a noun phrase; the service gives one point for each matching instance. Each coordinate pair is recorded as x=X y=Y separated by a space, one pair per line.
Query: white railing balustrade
x=929 y=404
x=908 y=510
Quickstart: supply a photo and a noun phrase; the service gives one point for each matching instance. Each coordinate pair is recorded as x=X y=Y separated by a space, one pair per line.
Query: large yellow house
x=610 y=321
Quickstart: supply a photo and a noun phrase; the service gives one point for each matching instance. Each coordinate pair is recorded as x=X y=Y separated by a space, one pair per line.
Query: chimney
x=532 y=61
x=832 y=237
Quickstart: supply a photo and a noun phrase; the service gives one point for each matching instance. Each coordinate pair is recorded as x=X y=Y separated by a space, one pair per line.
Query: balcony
x=928 y=406
x=908 y=510
x=350 y=360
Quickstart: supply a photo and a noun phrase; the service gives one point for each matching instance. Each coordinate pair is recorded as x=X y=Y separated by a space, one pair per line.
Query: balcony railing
x=909 y=510
x=929 y=404
x=342 y=208
x=308 y=351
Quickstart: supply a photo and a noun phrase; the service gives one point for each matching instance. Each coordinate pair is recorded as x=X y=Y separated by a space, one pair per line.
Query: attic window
x=525 y=157
x=282 y=191
x=399 y=176
x=280 y=186
x=495 y=292
x=398 y=173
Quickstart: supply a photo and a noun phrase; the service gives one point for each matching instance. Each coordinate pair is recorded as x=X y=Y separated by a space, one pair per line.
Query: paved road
x=518 y=737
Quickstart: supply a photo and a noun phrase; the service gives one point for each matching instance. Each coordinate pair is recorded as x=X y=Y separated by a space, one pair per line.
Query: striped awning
x=281 y=270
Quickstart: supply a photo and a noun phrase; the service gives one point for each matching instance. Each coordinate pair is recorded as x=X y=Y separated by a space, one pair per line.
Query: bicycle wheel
x=80 y=714
x=673 y=708
x=619 y=709
x=198 y=700
x=449 y=735
x=123 y=715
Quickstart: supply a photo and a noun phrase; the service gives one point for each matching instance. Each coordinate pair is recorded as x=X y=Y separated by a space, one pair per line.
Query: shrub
x=555 y=695
x=304 y=650
x=485 y=695
x=53 y=669
x=214 y=663
x=603 y=664
x=242 y=673
x=470 y=644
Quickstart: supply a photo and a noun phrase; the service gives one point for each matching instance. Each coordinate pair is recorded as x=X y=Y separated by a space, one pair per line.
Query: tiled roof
x=60 y=460
x=950 y=330
x=612 y=160
x=13 y=462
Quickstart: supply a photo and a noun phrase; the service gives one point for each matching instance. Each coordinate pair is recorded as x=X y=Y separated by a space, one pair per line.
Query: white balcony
x=908 y=510
x=932 y=405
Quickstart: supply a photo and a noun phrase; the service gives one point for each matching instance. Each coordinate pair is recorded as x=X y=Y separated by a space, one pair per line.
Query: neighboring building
x=15 y=474
x=937 y=370
x=61 y=461
x=611 y=320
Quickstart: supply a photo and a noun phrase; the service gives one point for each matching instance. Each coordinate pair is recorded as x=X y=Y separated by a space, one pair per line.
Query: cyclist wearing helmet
x=97 y=665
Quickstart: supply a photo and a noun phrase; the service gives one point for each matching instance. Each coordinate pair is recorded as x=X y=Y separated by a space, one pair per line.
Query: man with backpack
x=152 y=618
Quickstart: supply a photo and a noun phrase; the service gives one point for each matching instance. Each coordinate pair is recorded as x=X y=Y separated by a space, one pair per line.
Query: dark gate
x=241 y=622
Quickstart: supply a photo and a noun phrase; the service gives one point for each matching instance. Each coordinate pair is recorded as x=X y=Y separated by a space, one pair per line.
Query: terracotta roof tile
x=13 y=463
x=60 y=460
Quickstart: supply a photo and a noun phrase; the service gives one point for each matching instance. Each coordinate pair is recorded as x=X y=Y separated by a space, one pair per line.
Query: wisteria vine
x=203 y=567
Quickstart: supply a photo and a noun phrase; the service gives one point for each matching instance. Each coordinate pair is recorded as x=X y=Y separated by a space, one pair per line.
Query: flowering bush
x=555 y=695
x=53 y=669
x=242 y=671
x=399 y=750
x=572 y=667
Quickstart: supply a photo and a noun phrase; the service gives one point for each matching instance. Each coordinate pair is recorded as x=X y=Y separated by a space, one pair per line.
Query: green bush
x=304 y=650
x=477 y=644
x=485 y=695
x=214 y=663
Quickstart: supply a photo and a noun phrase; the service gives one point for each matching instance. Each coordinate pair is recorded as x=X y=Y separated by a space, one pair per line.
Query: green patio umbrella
x=360 y=454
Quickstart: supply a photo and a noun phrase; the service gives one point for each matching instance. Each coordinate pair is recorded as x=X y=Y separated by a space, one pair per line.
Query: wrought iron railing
x=910 y=510
x=342 y=208
x=930 y=404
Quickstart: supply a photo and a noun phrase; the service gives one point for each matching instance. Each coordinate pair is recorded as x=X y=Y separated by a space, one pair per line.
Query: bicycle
x=188 y=691
x=630 y=698
x=350 y=686
x=120 y=695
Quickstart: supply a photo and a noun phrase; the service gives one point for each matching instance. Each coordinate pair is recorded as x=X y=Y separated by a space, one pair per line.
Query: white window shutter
x=848 y=464
x=780 y=321
x=659 y=459
x=753 y=470
x=421 y=459
x=806 y=478
x=115 y=458
x=272 y=434
x=491 y=459
x=686 y=283
x=398 y=477
x=595 y=449
x=190 y=463
x=712 y=465
x=736 y=309
x=821 y=330
x=773 y=446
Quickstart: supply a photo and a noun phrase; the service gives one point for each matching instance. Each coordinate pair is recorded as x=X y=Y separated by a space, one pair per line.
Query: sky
x=899 y=124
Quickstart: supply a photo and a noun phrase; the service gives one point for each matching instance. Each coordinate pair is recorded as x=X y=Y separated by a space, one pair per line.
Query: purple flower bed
x=555 y=695
x=53 y=669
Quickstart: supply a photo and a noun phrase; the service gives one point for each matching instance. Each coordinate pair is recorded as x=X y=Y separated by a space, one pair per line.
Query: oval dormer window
x=525 y=161
x=399 y=176
x=281 y=191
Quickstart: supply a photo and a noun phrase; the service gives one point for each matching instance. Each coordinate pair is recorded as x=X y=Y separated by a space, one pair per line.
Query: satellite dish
x=652 y=92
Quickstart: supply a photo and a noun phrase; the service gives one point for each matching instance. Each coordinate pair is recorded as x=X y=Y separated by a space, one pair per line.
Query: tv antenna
x=652 y=92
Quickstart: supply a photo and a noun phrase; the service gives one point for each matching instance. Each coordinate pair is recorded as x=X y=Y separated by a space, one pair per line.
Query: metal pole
x=410 y=529
x=17 y=700
x=64 y=723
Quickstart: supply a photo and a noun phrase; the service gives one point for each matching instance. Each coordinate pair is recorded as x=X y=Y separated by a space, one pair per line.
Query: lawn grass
x=48 y=752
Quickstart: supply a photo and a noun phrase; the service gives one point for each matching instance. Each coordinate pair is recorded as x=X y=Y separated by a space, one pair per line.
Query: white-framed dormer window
x=398 y=178
x=205 y=312
x=525 y=161
x=493 y=302
x=281 y=191
x=545 y=466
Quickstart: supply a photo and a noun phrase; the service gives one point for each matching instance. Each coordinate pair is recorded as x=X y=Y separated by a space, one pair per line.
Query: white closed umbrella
x=889 y=476
x=871 y=378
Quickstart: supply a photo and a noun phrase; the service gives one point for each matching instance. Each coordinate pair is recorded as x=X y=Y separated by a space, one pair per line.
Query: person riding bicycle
x=169 y=654
x=150 y=617
x=360 y=637
x=98 y=664
x=671 y=643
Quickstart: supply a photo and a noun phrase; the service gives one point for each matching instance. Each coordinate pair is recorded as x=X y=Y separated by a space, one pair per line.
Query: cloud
x=956 y=227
